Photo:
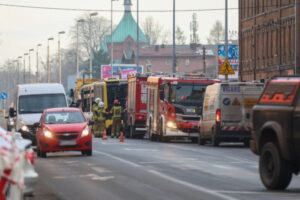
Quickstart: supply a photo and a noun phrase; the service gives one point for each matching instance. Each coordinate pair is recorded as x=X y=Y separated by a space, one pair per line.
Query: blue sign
x=226 y=101
x=3 y=95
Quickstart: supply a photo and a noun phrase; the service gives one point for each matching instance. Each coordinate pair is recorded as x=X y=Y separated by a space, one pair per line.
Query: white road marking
x=129 y=149
x=223 y=167
x=102 y=178
x=71 y=162
x=100 y=170
x=196 y=187
x=161 y=175
x=117 y=158
x=59 y=177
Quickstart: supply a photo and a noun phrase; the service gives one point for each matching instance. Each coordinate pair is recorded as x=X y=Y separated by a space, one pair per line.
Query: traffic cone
x=122 y=137
x=104 y=137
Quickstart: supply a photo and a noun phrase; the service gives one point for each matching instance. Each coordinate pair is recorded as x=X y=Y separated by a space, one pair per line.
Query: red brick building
x=266 y=38
x=159 y=58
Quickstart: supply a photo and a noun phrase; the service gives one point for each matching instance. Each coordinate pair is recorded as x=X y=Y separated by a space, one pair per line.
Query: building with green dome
x=125 y=38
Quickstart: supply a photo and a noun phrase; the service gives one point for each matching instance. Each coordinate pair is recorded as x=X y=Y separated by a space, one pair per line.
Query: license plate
x=67 y=143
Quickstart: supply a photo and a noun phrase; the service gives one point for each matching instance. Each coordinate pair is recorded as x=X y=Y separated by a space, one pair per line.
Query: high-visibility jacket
x=101 y=114
x=95 y=110
x=116 y=111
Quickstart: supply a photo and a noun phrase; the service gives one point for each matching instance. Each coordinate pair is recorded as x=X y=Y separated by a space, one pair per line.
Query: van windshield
x=188 y=93
x=38 y=103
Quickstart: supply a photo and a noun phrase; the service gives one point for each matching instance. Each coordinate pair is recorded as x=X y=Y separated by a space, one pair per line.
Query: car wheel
x=201 y=141
x=275 y=172
x=247 y=143
x=194 y=140
x=214 y=141
x=38 y=152
x=43 y=154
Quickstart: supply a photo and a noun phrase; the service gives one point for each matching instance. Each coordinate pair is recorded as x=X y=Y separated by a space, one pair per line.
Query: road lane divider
x=169 y=178
x=190 y=185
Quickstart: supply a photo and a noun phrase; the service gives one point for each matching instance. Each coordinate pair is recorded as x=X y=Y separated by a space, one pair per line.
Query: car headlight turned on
x=47 y=133
x=11 y=123
x=85 y=131
x=171 y=124
x=25 y=128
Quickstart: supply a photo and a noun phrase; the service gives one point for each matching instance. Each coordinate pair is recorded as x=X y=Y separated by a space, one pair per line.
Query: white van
x=30 y=101
x=227 y=112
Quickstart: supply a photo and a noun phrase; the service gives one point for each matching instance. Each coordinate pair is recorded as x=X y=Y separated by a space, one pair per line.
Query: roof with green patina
x=127 y=27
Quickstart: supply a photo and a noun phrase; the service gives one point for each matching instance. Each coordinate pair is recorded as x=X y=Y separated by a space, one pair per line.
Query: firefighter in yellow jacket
x=100 y=119
x=116 y=113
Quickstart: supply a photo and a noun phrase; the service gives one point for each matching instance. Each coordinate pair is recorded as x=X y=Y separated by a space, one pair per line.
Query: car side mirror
x=37 y=124
x=91 y=122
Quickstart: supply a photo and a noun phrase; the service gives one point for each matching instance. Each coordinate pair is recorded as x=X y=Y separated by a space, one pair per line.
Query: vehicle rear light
x=218 y=117
x=30 y=156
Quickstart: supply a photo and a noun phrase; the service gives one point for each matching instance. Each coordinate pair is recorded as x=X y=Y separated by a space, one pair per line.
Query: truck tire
x=214 y=140
x=43 y=154
x=132 y=131
x=275 y=172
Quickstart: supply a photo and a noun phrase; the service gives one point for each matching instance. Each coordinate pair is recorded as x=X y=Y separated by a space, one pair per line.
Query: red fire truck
x=174 y=107
x=136 y=105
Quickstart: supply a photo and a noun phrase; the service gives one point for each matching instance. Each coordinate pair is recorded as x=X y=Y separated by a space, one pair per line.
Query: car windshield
x=64 y=117
x=187 y=93
x=38 y=103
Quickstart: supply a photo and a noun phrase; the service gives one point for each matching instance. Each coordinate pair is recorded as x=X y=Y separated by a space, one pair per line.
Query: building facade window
x=187 y=62
x=168 y=62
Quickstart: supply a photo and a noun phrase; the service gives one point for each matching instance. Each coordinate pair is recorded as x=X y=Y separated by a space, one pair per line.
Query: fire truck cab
x=136 y=105
x=174 y=107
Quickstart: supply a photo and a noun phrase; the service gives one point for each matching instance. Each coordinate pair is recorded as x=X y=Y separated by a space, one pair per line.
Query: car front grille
x=66 y=135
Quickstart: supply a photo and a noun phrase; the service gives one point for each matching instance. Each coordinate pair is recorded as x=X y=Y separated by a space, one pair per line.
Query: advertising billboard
x=233 y=59
x=120 y=71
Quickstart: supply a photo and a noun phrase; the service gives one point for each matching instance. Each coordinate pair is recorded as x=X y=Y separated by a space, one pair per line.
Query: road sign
x=226 y=68
x=3 y=95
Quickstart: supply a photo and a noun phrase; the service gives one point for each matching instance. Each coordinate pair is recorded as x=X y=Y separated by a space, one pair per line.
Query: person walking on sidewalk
x=100 y=120
x=116 y=113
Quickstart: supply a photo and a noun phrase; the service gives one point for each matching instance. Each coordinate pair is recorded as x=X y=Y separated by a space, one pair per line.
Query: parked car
x=276 y=138
x=63 y=129
x=22 y=172
x=227 y=111
x=31 y=100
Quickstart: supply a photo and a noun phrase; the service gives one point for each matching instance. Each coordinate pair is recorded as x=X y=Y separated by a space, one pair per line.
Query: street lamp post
x=37 y=62
x=77 y=47
x=20 y=57
x=48 y=60
x=59 y=54
x=90 y=33
x=111 y=39
x=174 y=69
x=29 y=78
x=24 y=78
x=16 y=70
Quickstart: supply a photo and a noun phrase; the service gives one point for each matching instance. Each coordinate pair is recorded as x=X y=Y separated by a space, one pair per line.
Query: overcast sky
x=22 y=28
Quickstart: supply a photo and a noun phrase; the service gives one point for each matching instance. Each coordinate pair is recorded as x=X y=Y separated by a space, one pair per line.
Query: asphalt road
x=140 y=169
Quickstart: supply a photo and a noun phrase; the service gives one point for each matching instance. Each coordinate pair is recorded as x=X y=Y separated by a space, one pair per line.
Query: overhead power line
x=108 y=10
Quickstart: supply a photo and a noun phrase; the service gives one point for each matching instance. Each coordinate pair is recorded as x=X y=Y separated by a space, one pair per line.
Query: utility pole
x=90 y=40
x=226 y=33
x=59 y=55
x=24 y=72
x=296 y=36
x=29 y=78
x=174 y=44
x=204 y=61
x=37 y=62
x=48 y=60
x=77 y=49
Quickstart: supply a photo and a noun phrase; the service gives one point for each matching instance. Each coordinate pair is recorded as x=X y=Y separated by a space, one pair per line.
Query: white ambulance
x=227 y=111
